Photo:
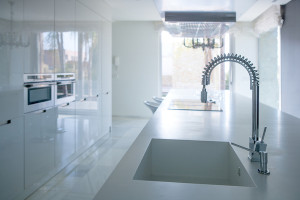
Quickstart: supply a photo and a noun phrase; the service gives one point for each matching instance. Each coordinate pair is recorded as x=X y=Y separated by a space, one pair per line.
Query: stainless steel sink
x=187 y=161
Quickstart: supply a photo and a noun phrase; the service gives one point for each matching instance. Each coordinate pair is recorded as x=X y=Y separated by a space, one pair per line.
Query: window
x=182 y=66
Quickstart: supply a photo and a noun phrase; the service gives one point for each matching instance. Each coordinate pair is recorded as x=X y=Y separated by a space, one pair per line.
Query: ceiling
x=134 y=10
x=141 y=10
x=152 y=10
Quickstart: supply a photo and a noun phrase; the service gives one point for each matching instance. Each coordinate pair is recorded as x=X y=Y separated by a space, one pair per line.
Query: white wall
x=245 y=44
x=290 y=71
x=137 y=77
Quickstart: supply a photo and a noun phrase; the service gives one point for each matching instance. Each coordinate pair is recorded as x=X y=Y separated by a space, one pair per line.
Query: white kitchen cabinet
x=106 y=112
x=82 y=126
x=11 y=61
x=96 y=118
x=65 y=134
x=106 y=78
x=88 y=67
x=106 y=54
x=40 y=131
x=39 y=56
x=88 y=83
x=65 y=36
x=11 y=158
x=88 y=123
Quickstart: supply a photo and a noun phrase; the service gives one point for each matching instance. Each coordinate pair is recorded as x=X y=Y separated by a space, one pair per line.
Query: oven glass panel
x=37 y=95
x=64 y=91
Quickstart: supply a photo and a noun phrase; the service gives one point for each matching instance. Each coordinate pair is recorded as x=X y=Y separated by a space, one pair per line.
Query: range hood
x=200 y=16
x=196 y=18
x=198 y=24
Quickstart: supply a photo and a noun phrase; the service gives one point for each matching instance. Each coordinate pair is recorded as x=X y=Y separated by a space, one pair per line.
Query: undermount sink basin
x=188 y=161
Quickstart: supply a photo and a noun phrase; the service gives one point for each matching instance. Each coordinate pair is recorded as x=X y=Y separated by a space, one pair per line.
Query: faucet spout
x=255 y=112
x=204 y=95
x=254 y=86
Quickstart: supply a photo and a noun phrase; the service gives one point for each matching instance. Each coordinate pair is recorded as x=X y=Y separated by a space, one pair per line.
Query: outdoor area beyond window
x=182 y=65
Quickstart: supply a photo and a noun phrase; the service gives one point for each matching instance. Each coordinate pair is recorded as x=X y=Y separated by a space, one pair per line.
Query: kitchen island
x=233 y=124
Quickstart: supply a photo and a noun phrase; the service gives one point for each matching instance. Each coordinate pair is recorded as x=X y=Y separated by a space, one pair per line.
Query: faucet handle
x=263 y=158
x=263 y=136
x=260 y=145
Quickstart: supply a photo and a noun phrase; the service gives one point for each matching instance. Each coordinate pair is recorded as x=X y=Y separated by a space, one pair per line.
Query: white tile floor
x=83 y=178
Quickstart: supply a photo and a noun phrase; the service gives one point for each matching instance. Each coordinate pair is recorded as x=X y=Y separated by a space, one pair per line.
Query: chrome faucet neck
x=254 y=86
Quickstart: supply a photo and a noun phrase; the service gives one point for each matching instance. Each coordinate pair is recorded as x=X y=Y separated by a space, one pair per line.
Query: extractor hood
x=198 y=24
x=196 y=19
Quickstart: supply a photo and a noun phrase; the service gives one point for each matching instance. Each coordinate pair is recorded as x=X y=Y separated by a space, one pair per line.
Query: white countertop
x=234 y=125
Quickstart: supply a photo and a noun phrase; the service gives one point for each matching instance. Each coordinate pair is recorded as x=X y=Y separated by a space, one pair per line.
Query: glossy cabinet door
x=65 y=134
x=95 y=118
x=106 y=77
x=11 y=158
x=87 y=123
x=82 y=126
x=88 y=43
x=39 y=28
x=40 y=130
x=65 y=36
x=106 y=53
x=11 y=59
x=88 y=84
x=106 y=113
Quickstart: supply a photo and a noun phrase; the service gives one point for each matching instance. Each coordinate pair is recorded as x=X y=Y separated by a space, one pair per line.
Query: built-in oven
x=65 y=88
x=38 y=91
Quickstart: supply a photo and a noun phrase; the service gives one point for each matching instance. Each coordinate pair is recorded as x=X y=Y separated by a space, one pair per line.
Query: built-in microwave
x=38 y=91
x=64 y=88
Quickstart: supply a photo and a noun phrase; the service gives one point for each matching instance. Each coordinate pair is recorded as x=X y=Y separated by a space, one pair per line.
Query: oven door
x=38 y=96
x=64 y=92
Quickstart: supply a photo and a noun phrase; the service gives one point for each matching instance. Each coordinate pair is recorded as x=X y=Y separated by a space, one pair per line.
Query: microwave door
x=38 y=97
x=65 y=92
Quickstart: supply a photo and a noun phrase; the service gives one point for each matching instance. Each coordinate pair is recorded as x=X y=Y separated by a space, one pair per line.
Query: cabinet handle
x=65 y=105
x=5 y=123
x=106 y=93
x=97 y=95
x=28 y=85
x=40 y=111
x=84 y=99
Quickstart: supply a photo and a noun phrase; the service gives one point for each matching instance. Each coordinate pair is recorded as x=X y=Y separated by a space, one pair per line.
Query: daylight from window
x=182 y=65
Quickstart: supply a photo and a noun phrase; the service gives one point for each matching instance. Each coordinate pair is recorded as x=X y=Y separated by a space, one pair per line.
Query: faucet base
x=263 y=172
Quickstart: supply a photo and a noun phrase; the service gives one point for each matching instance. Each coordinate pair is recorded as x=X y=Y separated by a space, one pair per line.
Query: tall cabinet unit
x=11 y=101
x=58 y=36
x=88 y=85
x=106 y=77
x=65 y=56
x=39 y=126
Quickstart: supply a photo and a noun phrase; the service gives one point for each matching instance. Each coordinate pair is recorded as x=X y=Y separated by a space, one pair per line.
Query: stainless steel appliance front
x=65 y=88
x=38 y=92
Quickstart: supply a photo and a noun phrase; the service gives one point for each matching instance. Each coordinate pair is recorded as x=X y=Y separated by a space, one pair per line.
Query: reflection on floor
x=83 y=178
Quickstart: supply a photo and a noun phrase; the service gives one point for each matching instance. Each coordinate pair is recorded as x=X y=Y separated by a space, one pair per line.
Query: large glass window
x=182 y=65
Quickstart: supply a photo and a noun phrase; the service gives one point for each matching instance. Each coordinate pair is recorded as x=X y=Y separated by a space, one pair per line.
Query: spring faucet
x=254 y=86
